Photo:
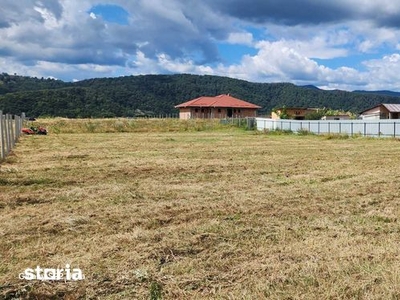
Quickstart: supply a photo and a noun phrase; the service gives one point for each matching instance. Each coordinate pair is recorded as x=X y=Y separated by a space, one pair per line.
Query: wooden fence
x=10 y=131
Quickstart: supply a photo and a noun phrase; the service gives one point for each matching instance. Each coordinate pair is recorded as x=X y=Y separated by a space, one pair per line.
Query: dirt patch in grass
x=201 y=214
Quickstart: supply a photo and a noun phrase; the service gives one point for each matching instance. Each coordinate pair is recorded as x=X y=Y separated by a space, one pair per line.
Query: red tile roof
x=218 y=101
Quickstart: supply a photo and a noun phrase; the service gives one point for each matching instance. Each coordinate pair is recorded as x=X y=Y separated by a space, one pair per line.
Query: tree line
x=148 y=95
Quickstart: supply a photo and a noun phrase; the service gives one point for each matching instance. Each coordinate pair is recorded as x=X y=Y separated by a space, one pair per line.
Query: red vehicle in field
x=34 y=130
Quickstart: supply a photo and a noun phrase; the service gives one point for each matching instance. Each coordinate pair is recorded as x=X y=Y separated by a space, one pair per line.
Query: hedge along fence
x=10 y=131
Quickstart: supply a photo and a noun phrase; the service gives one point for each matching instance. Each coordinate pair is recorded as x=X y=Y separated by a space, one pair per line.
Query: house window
x=219 y=110
x=202 y=110
x=234 y=111
x=239 y=110
x=196 y=110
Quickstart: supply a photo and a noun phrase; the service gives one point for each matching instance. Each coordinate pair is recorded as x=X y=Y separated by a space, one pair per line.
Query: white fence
x=10 y=131
x=373 y=128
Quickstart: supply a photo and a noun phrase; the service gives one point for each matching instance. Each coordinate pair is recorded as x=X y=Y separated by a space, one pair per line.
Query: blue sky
x=332 y=44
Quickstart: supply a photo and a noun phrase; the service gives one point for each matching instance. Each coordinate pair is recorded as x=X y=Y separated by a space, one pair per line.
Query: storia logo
x=48 y=274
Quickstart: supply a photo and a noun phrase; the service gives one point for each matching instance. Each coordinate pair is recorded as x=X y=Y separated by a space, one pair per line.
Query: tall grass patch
x=61 y=125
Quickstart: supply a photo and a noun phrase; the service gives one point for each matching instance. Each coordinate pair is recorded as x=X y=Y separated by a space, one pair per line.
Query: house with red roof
x=219 y=107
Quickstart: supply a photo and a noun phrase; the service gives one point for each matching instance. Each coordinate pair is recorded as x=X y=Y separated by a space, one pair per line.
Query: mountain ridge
x=148 y=95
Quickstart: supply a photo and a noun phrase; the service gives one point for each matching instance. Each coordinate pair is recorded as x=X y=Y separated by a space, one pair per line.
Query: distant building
x=296 y=113
x=336 y=117
x=220 y=107
x=381 y=111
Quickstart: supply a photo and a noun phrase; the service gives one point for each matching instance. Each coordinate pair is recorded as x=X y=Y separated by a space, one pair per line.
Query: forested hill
x=158 y=94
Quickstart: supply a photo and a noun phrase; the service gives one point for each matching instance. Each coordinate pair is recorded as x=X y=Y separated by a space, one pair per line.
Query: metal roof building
x=381 y=111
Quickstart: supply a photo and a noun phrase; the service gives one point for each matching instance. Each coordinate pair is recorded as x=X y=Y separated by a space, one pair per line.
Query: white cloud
x=385 y=72
x=140 y=64
x=50 y=21
x=64 y=39
x=182 y=66
x=241 y=38
x=275 y=61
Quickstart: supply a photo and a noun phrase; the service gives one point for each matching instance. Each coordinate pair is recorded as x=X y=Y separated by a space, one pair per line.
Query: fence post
x=394 y=129
x=8 y=136
x=16 y=131
x=2 y=141
x=18 y=127
x=10 y=132
x=5 y=135
x=379 y=129
x=11 y=129
x=23 y=117
x=365 y=129
x=21 y=123
x=13 y=136
x=351 y=126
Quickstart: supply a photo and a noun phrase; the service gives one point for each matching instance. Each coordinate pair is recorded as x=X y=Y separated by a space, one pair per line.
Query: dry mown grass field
x=186 y=212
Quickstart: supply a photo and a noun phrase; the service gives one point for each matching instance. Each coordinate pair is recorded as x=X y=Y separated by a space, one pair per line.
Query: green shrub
x=155 y=291
x=278 y=131
x=303 y=131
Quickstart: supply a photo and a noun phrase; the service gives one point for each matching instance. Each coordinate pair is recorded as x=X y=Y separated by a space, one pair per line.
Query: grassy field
x=200 y=211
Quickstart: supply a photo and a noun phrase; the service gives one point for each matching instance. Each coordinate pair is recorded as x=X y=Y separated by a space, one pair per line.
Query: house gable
x=222 y=106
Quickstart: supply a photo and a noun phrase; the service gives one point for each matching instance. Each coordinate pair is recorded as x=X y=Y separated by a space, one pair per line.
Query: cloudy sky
x=333 y=44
